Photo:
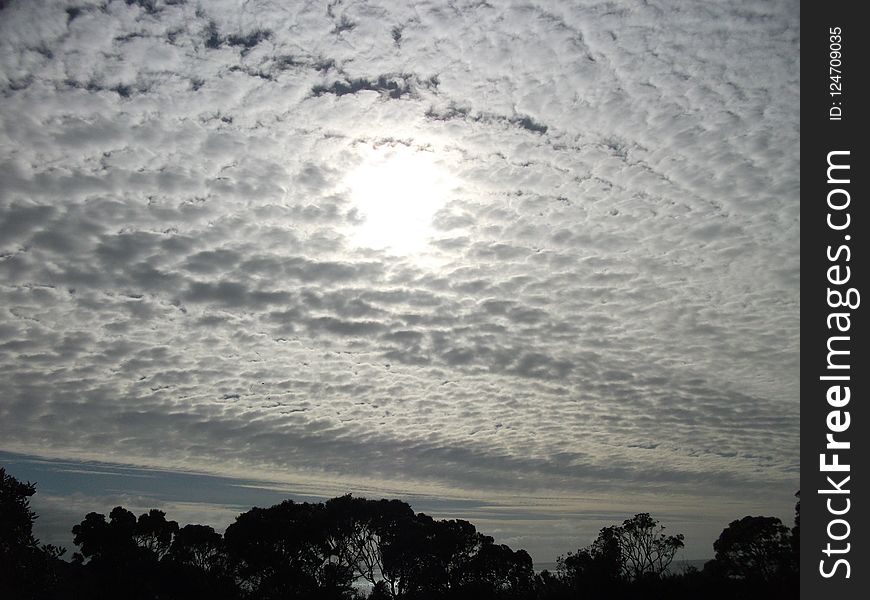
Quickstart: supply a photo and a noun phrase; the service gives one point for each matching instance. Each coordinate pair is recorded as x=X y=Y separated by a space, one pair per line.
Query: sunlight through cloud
x=397 y=191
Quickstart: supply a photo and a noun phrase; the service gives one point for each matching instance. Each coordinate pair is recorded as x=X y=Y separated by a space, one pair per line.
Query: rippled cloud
x=605 y=301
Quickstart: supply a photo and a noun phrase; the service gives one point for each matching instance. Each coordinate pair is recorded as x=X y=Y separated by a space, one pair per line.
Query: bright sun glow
x=397 y=191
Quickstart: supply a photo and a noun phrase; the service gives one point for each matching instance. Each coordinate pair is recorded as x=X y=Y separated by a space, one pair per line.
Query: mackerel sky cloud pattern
x=606 y=300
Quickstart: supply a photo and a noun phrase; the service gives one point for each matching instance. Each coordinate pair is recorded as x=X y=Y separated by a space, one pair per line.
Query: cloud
x=609 y=299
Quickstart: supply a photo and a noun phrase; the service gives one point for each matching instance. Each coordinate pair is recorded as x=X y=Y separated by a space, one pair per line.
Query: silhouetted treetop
x=646 y=550
x=27 y=569
x=754 y=548
x=336 y=549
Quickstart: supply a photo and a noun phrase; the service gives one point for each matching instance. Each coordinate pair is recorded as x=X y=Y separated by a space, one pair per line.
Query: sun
x=397 y=191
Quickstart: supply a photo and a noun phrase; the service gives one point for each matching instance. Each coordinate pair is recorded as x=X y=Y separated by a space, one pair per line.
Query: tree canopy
x=754 y=548
x=349 y=547
x=26 y=566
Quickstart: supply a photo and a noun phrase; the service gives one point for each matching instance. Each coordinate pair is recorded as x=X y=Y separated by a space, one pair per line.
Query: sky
x=533 y=264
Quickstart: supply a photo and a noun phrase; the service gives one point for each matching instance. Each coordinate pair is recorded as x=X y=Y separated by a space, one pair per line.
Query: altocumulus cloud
x=610 y=299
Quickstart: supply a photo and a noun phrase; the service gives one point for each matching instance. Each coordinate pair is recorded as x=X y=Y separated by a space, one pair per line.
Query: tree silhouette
x=321 y=550
x=796 y=534
x=26 y=567
x=628 y=560
x=407 y=556
x=123 y=537
x=638 y=549
x=198 y=566
x=646 y=550
x=754 y=548
x=199 y=547
x=285 y=551
x=16 y=517
x=154 y=533
x=358 y=533
x=452 y=545
x=599 y=566
x=497 y=571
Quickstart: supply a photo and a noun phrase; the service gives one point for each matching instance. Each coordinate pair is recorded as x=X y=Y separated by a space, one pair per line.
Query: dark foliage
x=348 y=548
x=27 y=569
x=753 y=548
